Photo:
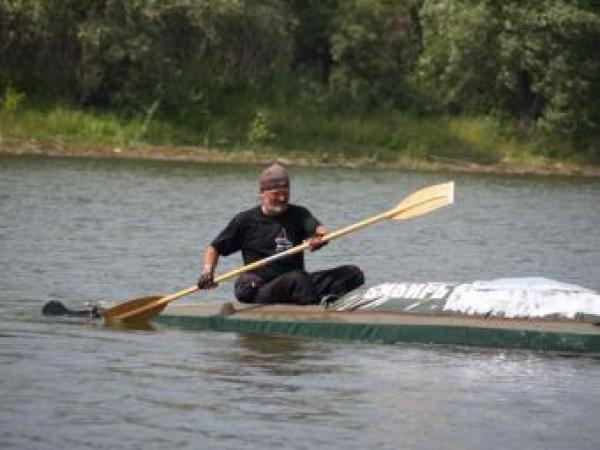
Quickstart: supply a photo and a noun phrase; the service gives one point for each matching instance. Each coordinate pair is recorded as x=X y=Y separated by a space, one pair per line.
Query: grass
x=400 y=135
x=381 y=137
x=69 y=125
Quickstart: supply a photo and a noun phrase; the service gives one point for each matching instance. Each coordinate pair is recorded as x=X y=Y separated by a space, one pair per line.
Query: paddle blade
x=120 y=312
x=424 y=201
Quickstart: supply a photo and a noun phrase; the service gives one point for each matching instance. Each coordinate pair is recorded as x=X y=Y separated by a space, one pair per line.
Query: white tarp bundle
x=503 y=297
x=523 y=297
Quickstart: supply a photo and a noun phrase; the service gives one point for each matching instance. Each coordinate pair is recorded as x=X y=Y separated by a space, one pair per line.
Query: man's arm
x=207 y=275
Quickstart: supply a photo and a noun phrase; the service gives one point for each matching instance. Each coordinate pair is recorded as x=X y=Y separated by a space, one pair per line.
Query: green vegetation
x=381 y=80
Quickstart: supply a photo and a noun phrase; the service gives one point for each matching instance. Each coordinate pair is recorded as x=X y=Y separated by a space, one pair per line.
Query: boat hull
x=385 y=327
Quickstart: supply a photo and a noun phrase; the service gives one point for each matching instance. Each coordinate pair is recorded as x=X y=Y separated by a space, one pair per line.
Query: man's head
x=274 y=185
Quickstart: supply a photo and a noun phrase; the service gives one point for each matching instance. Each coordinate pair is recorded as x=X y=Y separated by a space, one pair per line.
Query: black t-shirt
x=259 y=236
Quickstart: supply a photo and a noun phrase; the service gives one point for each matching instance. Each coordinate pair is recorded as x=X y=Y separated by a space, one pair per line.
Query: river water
x=78 y=230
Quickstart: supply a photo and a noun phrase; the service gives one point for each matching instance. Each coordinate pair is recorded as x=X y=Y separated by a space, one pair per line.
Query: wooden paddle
x=419 y=203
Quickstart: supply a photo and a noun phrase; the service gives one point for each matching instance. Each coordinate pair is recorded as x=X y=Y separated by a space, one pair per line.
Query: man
x=269 y=228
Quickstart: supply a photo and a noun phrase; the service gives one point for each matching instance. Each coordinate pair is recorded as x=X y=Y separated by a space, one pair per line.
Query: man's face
x=275 y=201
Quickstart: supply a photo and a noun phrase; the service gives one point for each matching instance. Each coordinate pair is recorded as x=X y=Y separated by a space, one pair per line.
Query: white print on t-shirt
x=282 y=243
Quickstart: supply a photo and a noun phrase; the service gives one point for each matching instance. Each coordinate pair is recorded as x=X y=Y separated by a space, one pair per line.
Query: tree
x=373 y=46
x=537 y=61
x=177 y=50
x=312 y=36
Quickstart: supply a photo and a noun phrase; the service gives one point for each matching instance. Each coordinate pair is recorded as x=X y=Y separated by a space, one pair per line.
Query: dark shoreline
x=209 y=155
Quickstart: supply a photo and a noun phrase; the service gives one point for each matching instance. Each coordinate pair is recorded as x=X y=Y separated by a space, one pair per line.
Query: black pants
x=301 y=288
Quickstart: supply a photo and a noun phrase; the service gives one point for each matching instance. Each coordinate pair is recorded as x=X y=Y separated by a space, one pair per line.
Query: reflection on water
x=133 y=326
x=280 y=355
x=269 y=349
x=85 y=230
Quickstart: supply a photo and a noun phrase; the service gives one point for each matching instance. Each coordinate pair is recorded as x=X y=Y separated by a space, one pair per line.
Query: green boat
x=421 y=313
x=518 y=313
x=314 y=321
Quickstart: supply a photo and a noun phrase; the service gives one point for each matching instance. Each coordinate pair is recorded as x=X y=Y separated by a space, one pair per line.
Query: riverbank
x=538 y=166
x=398 y=140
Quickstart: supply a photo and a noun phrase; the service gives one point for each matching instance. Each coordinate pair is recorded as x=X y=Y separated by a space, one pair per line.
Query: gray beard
x=273 y=210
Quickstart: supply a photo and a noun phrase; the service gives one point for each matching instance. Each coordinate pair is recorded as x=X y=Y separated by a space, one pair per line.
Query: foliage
x=373 y=50
x=133 y=52
x=312 y=29
x=205 y=67
x=10 y=102
x=260 y=130
x=537 y=61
